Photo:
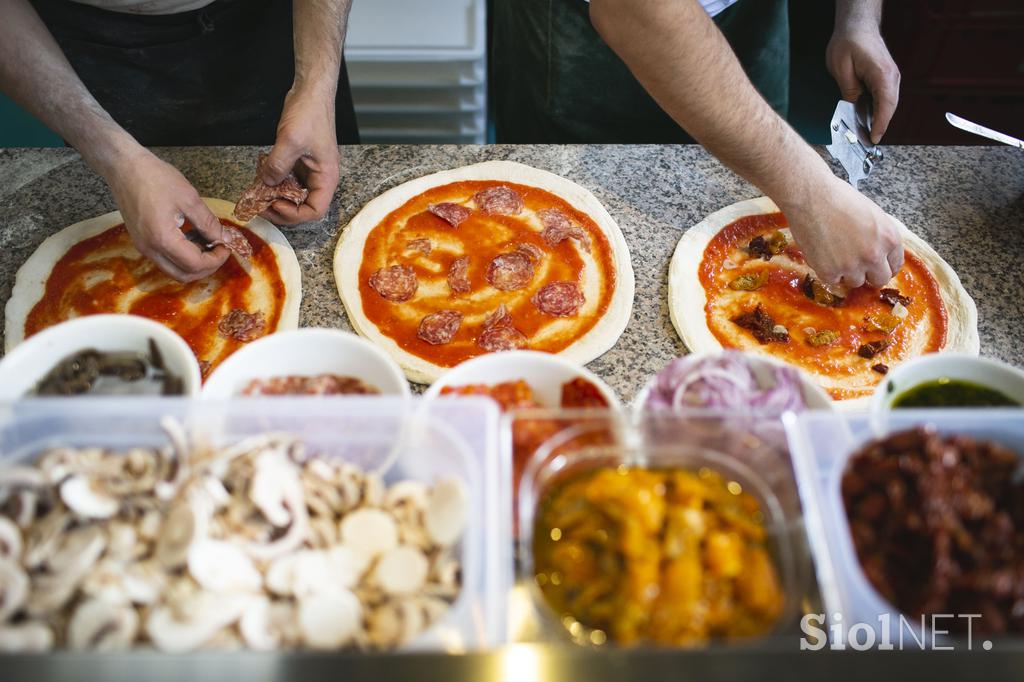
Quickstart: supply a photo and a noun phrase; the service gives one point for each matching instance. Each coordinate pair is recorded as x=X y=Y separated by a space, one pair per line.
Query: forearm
x=684 y=62
x=36 y=75
x=851 y=13
x=320 y=27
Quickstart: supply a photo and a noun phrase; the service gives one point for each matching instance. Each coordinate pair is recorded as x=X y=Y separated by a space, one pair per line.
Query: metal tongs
x=851 y=139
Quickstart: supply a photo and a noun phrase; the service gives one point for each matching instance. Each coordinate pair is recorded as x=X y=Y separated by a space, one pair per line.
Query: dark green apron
x=556 y=81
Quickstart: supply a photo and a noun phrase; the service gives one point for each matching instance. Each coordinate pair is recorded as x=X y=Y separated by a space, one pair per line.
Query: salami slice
x=258 y=197
x=458 y=275
x=396 y=283
x=500 y=200
x=531 y=250
x=242 y=326
x=559 y=299
x=453 y=214
x=439 y=328
x=510 y=271
x=235 y=241
x=422 y=245
x=558 y=228
x=499 y=334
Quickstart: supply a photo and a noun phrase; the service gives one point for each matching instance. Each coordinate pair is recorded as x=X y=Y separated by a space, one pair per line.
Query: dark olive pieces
x=92 y=372
x=946 y=392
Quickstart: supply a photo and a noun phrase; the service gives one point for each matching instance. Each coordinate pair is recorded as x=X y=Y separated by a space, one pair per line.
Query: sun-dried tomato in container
x=938 y=525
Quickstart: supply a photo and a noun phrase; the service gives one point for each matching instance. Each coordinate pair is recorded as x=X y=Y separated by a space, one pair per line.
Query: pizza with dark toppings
x=92 y=267
x=486 y=258
x=738 y=280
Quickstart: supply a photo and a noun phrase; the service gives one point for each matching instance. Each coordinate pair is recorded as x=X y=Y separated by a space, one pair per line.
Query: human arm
x=153 y=197
x=857 y=57
x=307 y=141
x=684 y=62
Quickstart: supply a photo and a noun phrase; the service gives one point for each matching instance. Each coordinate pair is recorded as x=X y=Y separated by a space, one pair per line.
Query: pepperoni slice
x=422 y=245
x=560 y=299
x=236 y=242
x=453 y=214
x=531 y=250
x=499 y=334
x=510 y=271
x=558 y=228
x=397 y=283
x=500 y=200
x=439 y=328
x=241 y=326
x=458 y=275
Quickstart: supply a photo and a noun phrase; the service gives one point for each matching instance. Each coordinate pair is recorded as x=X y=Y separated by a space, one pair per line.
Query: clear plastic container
x=750 y=452
x=822 y=444
x=399 y=439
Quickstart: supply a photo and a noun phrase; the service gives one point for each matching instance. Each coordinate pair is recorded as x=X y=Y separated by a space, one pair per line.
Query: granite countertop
x=967 y=202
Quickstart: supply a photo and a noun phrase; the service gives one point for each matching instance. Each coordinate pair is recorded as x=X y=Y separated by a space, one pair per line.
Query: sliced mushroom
x=44 y=537
x=14 y=589
x=257 y=628
x=329 y=620
x=176 y=535
x=401 y=571
x=267 y=490
x=219 y=566
x=10 y=540
x=207 y=614
x=369 y=531
x=81 y=497
x=101 y=626
x=30 y=637
x=445 y=516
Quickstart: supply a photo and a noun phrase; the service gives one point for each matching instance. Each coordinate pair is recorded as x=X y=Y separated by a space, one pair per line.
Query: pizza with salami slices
x=92 y=267
x=738 y=280
x=491 y=257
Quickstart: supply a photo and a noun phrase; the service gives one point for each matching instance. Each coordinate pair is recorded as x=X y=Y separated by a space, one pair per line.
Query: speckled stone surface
x=968 y=202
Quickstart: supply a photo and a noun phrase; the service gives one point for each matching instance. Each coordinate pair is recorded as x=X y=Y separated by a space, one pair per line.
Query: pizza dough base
x=348 y=257
x=30 y=282
x=687 y=298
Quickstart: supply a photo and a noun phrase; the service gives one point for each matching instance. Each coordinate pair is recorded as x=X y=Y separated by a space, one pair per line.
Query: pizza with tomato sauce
x=92 y=267
x=492 y=257
x=738 y=280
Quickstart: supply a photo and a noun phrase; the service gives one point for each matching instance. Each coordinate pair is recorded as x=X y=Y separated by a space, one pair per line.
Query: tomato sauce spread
x=825 y=340
x=401 y=240
x=107 y=274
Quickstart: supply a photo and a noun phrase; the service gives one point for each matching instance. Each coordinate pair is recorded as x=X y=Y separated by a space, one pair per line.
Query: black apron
x=556 y=81
x=212 y=76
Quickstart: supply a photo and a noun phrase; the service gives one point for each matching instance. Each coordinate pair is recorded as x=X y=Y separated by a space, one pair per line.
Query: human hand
x=155 y=200
x=307 y=145
x=856 y=57
x=846 y=238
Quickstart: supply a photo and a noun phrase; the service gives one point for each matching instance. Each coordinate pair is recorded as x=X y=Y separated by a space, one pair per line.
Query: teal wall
x=19 y=129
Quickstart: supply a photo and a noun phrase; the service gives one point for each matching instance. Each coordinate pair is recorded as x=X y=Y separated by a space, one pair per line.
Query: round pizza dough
x=30 y=282
x=687 y=298
x=349 y=254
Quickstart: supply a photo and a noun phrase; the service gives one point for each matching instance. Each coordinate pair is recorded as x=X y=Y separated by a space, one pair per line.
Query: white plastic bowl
x=545 y=373
x=31 y=360
x=306 y=352
x=764 y=371
x=981 y=371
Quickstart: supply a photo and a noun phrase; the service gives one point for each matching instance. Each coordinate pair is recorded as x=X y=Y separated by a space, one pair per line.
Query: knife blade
x=971 y=127
x=851 y=139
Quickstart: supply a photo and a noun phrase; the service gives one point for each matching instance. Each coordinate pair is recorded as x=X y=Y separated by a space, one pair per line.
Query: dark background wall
x=964 y=56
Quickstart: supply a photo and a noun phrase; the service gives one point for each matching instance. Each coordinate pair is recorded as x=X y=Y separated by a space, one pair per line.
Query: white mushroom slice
x=22 y=477
x=10 y=540
x=101 y=626
x=369 y=531
x=207 y=614
x=215 y=492
x=256 y=627
x=401 y=571
x=346 y=565
x=329 y=620
x=222 y=567
x=43 y=539
x=79 y=552
x=297 y=531
x=25 y=638
x=26 y=505
x=395 y=622
x=176 y=535
x=148 y=527
x=283 y=620
x=84 y=500
x=373 y=490
x=445 y=516
x=267 y=490
x=122 y=542
x=14 y=589
x=446 y=575
x=408 y=493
